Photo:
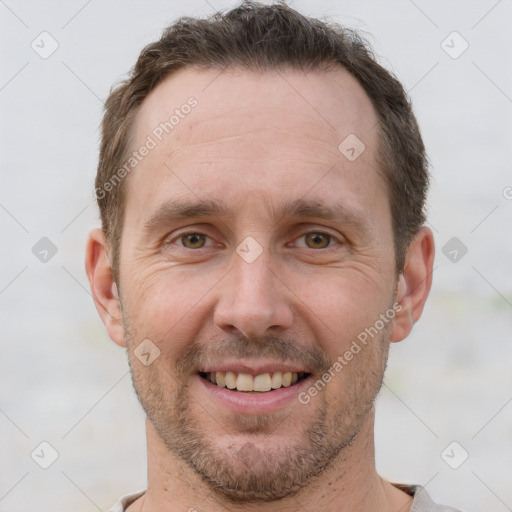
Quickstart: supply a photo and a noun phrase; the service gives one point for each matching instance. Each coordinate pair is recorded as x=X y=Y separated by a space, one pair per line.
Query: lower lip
x=247 y=403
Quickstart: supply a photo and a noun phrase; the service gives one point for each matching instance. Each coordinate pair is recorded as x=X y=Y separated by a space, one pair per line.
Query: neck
x=352 y=483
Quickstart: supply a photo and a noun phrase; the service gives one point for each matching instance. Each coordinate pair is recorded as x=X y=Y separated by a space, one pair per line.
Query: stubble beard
x=248 y=473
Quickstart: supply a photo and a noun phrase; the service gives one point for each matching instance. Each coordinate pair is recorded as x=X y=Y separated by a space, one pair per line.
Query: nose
x=253 y=300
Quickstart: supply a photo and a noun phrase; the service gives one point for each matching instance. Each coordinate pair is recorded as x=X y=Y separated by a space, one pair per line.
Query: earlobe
x=414 y=284
x=103 y=287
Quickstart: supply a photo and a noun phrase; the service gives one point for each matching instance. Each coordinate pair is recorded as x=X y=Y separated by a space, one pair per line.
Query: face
x=255 y=254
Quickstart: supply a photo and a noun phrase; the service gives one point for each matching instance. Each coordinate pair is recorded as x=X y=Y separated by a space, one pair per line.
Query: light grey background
x=64 y=382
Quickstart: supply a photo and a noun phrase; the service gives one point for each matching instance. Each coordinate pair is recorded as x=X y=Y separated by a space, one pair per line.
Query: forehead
x=218 y=131
x=328 y=104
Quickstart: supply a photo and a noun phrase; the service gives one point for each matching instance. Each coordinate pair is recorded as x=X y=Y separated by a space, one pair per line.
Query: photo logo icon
x=454 y=249
x=44 y=455
x=351 y=147
x=249 y=249
x=45 y=45
x=147 y=352
x=44 y=250
x=454 y=45
x=455 y=455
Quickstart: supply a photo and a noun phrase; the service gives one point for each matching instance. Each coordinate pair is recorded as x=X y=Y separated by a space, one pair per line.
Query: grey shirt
x=421 y=503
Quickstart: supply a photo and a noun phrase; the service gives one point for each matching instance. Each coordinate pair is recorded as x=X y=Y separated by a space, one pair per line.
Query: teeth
x=230 y=380
x=220 y=379
x=245 y=382
x=262 y=382
x=277 y=380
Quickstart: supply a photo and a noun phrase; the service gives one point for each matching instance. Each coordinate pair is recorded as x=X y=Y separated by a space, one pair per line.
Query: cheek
x=166 y=308
x=343 y=307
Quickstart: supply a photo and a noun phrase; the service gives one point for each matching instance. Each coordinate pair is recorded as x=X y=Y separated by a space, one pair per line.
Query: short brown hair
x=260 y=37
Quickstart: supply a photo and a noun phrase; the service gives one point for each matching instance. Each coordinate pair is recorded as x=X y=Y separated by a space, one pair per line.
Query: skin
x=256 y=141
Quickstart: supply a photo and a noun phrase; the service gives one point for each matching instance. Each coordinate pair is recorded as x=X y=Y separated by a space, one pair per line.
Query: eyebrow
x=175 y=210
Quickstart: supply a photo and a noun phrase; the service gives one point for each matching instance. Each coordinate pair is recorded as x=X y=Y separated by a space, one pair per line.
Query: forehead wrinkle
x=293 y=145
x=188 y=160
x=260 y=116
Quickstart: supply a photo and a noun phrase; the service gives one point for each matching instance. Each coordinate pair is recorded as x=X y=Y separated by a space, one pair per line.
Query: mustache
x=280 y=349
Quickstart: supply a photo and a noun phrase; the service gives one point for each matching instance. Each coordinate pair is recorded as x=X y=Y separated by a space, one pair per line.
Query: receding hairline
x=247 y=36
x=215 y=70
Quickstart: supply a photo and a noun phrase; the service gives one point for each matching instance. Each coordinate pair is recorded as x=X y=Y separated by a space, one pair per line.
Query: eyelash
x=329 y=247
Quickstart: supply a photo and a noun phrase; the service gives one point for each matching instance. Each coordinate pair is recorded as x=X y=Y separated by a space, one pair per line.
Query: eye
x=317 y=240
x=192 y=240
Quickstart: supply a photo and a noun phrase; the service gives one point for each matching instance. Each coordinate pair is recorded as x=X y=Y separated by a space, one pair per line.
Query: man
x=261 y=186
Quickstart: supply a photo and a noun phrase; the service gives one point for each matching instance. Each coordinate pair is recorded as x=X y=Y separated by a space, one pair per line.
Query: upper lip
x=253 y=368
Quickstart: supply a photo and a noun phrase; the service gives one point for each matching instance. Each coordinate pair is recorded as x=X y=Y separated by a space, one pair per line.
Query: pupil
x=319 y=239
x=194 y=239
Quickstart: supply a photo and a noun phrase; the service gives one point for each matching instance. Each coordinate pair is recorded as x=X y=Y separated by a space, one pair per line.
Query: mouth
x=247 y=383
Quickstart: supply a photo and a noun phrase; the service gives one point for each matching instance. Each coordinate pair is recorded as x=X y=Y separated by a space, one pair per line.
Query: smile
x=261 y=383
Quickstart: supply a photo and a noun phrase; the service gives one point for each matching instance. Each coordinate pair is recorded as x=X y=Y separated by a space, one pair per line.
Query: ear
x=414 y=284
x=103 y=287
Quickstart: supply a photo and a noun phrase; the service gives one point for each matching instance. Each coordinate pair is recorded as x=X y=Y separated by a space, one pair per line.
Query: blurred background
x=444 y=416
